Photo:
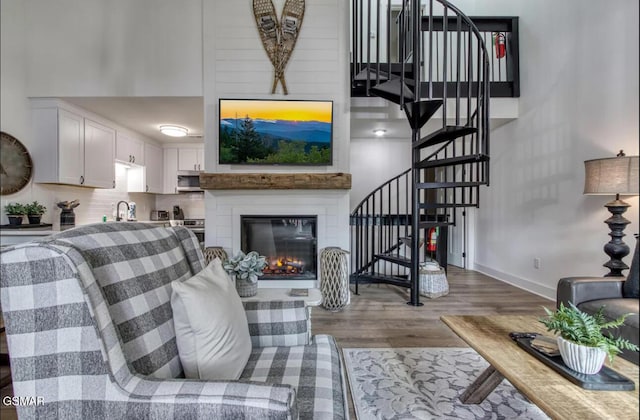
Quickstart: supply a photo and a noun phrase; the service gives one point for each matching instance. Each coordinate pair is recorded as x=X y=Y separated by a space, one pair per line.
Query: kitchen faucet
x=118 y=218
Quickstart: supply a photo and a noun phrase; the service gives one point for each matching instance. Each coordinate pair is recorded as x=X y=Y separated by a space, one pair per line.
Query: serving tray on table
x=605 y=380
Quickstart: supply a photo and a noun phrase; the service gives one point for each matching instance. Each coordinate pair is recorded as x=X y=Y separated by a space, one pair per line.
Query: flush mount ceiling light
x=379 y=132
x=173 y=130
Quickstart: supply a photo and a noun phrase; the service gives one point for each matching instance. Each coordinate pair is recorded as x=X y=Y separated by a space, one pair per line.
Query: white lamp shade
x=608 y=176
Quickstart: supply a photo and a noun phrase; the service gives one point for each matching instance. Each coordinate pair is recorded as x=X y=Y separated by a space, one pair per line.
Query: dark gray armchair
x=618 y=295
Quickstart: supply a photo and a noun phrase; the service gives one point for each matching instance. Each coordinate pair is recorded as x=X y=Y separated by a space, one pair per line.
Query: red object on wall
x=499 y=40
x=432 y=239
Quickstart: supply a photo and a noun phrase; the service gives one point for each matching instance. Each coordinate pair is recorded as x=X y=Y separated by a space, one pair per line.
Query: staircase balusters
x=378 y=42
x=369 y=44
x=430 y=69
x=456 y=157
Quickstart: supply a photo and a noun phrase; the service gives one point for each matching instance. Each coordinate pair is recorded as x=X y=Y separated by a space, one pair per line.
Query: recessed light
x=173 y=130
x=379 y=132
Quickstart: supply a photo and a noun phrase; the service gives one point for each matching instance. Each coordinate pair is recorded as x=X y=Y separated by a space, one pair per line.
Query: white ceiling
x=145 y=115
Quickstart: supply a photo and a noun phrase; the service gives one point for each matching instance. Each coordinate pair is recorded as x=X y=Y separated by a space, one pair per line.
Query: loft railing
x=504 y=66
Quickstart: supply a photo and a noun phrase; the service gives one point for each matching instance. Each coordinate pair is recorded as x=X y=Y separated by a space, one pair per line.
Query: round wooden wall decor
x=16 y=166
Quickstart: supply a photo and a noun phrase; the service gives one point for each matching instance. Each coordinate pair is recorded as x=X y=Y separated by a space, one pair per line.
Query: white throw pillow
x=211 y=326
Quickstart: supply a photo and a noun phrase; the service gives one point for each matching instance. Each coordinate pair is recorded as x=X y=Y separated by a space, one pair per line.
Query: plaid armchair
x=90 y=331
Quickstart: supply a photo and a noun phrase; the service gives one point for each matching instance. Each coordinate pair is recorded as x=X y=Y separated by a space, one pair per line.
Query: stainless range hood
x=188 y=181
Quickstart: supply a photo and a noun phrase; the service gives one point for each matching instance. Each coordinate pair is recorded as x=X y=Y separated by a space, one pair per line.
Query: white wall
x=113 y=48
x=192 y=204
x=375 y=161
x=579 y=84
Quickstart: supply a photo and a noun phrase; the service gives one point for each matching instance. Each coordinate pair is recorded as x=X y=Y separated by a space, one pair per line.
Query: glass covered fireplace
x=289 y=242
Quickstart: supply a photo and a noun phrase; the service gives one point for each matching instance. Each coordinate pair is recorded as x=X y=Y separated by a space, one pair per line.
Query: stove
x=194 y=225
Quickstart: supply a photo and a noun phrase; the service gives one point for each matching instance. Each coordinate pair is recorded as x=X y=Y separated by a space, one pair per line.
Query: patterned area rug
x=425 y=383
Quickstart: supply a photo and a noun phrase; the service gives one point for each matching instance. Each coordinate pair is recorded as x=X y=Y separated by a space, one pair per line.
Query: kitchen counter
x=26 y=232
x=154 y=222
x=18 y=236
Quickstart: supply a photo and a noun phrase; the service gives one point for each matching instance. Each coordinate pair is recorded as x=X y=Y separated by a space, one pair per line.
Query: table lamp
x=607 y=176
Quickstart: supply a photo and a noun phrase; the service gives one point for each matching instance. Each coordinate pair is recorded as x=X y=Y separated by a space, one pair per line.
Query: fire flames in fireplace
x=283 y=266
x=288 y=242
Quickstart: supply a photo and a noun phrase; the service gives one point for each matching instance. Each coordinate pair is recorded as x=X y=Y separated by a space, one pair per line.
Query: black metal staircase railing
x=437 y=45
x=381 y=221
x=504 y=56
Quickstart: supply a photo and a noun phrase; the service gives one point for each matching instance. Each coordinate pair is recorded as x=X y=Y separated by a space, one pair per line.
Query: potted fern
x=582 y=344
x=15 y=212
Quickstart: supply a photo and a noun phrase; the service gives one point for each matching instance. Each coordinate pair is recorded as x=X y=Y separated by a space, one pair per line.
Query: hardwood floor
x=380 y=317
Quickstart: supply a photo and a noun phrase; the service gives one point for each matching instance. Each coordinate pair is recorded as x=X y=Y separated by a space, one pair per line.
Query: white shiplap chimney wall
x=235 y=65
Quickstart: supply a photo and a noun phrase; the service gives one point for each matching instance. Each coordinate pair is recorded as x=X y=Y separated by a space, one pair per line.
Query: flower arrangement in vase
x=246 y=268
x=582 y=344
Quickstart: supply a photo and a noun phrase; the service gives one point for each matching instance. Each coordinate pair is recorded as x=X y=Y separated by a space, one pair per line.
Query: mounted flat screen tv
x=275 y=132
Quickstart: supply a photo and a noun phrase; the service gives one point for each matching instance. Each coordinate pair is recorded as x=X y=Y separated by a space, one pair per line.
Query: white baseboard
x=528 y=285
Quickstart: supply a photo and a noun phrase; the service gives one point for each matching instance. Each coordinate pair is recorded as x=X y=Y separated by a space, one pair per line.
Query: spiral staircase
x=440 y=80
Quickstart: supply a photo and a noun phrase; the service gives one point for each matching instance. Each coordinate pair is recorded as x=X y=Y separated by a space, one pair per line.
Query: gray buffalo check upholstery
x=90 y=330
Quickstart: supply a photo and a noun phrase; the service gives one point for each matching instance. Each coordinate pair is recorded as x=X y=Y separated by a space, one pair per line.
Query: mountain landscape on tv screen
x=246 y=140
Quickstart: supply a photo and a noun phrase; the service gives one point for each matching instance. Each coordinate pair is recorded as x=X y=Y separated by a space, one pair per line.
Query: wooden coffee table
x=553 y=393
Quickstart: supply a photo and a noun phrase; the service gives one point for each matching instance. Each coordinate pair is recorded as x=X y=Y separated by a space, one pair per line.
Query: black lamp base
x=616 y=249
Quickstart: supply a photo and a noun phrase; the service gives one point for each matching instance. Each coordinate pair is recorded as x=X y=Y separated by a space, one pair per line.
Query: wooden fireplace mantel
x=275 y=181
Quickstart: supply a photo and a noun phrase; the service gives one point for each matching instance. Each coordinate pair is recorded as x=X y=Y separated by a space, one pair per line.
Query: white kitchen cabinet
x=154 y=164
x=129 y=149
x=71 y=149
x=148 y=178
x=70 y=162
x=99 y=150
x=170 y=169
x=201 y=159
x=191 y=159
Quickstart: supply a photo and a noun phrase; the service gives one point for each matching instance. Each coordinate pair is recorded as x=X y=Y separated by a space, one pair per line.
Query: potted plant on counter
x=246 y=269
x=582 y=344
x=34 y=212
x=15 y=212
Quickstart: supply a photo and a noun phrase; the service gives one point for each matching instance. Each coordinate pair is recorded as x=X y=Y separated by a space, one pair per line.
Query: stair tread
x=447 y=133
x=395 y=258
x=431 y=185
x=371 y=74
x=380 y=278
x=419 y=112
x=423 y=225
x=446 y=205
x=384 y=220
x=458 y=160
x=391 y=90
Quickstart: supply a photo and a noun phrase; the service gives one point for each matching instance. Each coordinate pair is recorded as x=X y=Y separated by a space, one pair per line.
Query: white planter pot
x=583 y=359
